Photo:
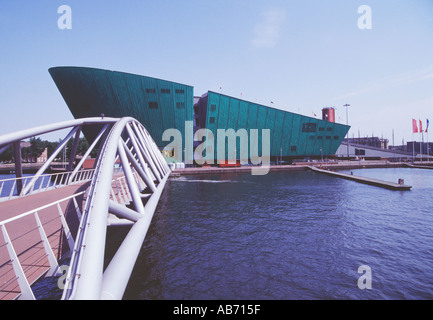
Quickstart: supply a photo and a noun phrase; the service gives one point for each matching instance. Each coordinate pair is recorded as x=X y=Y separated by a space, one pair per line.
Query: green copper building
x=160 y=105
x=157 y=104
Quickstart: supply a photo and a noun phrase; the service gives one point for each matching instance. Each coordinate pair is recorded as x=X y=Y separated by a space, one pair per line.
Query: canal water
x=8 y=184
x=289 y=235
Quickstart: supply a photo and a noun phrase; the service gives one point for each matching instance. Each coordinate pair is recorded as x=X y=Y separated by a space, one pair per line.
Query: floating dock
x=370 y=181
x=419 y=166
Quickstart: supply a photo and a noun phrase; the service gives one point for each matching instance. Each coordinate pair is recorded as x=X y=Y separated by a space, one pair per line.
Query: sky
x=301 y=55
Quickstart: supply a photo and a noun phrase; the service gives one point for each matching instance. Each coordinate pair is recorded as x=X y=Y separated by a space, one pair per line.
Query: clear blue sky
x=302 y=55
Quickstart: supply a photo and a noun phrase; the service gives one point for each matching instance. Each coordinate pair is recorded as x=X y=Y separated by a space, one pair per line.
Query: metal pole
x=26 y=291
x=133 y=188
x=18 y=166
x=80 y=164
x=74 y=150
x=48 y=162
x=347 y=123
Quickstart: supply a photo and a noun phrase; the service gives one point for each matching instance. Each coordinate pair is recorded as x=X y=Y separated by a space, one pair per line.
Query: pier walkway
x=369 y=181
x=418 y=166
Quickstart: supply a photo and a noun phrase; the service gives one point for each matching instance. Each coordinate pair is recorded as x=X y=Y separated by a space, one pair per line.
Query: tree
x=37 y=146
x=7 y=155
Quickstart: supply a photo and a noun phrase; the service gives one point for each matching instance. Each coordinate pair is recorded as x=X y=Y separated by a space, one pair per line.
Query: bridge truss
x=126 y=183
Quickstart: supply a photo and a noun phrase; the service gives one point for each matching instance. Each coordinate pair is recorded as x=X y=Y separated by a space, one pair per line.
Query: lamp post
x=347 y=123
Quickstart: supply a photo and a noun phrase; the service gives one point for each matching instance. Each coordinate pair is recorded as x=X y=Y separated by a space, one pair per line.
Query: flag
x=426 y=129
x=420 y=126
x=314 y=114
x=414 y=126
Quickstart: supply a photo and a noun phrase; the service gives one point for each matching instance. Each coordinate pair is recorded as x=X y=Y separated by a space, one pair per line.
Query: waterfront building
x=160 y=105
x=372 y=141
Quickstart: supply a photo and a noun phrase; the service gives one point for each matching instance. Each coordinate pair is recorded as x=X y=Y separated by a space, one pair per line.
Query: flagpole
x=413 y=147
x=420 y=151
x=422 y=145
x=426 y=131
x=414 y=129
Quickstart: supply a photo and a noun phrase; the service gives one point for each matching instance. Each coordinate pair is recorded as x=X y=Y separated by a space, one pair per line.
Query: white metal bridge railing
x=45 y=182
x=25 y=265
x=125 y=186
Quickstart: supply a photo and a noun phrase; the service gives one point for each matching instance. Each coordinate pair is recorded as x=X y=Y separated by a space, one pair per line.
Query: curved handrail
x=86 y=278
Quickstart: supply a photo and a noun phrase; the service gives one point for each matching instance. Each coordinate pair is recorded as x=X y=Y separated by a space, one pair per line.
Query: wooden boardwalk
x=26 y=238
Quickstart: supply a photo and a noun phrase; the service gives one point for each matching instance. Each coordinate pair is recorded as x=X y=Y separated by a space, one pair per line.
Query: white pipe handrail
x=29 y=133
x=44 y=182
x=86 y=278
x=28 y=185
x=22 y=215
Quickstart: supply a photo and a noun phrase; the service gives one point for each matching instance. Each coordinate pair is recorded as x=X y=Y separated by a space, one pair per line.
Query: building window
x=212 y=120
x=212 y=107
x=180 y=91
x=359 y=152
x=150 y=90
x=328 y=137
x=311 y=137
x=308 y=127
x=153 y=105
x=320 y=138
x=329 y=129
x=321 y=129
x=165 y=90
x=293 y=148
x=180 y=105
x=336 y=137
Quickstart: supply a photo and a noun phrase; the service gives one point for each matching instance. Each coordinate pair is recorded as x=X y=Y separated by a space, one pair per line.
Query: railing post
x=68 y=234
x=26 y=291
x=77 y=209
x=54 y=266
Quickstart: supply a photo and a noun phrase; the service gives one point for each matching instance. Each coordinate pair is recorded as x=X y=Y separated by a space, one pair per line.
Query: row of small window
x=154 y=105
x=312 y=127
x=178 y=91
x=323 y=129
x=321 y=137
x=212 y=120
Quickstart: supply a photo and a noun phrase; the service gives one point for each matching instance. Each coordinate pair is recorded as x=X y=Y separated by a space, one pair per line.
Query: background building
x=156 y=103
x=293 y=136
x=160 y=105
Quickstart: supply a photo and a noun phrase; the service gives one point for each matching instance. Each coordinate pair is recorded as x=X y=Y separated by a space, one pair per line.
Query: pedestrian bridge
x=53 y=225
